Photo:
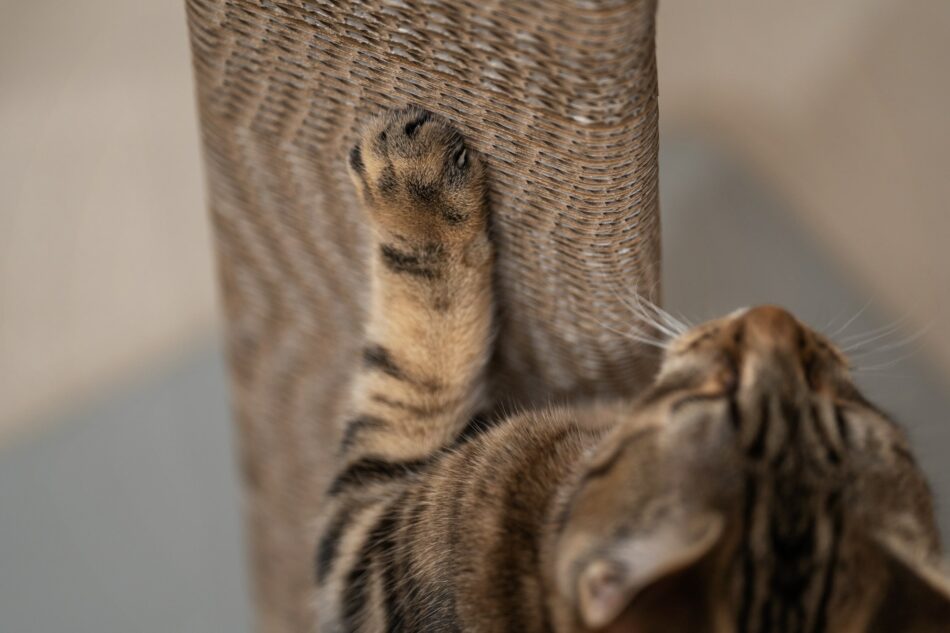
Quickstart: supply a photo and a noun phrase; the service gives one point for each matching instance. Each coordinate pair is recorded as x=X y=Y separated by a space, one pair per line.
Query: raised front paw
x=418 y=180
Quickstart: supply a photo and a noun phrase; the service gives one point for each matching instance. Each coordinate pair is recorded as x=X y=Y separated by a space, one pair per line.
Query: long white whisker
x=650 y=319
x=833 y=319
x=882 y=366
x=902 y=342
x=674 y=326
x=636 y=336
x=638 y=311
x=890 y=327
x=847 y=323
x=671 y=320
x=649 y=315
x=867 y=341
x=685 y=321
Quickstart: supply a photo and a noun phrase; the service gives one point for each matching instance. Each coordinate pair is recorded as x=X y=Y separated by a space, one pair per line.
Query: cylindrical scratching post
x=560 y=97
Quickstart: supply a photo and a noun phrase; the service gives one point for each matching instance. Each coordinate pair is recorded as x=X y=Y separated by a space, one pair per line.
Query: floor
x=126 y=517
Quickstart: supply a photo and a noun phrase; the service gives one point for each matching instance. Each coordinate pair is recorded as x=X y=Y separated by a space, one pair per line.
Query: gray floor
x=126 y=517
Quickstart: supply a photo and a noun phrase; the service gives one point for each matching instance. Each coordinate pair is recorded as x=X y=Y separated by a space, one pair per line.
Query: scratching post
x=561 y=99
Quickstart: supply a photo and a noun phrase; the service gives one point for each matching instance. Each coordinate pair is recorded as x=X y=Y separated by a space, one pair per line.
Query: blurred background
x=805 y=160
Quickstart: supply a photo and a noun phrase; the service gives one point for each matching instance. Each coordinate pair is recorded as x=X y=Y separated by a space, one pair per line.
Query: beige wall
x=105 y=264
x=845 y=107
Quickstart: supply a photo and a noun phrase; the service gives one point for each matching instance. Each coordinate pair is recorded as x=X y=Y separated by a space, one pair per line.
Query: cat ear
x=608 y=584
x=918 y=597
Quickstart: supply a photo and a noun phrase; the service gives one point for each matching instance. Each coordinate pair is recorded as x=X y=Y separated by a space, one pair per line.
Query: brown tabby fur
x=751 y=488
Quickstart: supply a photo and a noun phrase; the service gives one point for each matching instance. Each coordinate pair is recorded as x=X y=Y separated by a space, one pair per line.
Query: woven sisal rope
x=559 y=96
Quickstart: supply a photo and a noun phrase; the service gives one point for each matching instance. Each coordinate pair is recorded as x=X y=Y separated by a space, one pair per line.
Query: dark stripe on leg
x=517 y=555
x=356 y=591
x=384 y=539
x=425 y=262
x=329 y=544
x=356 y=426
x=417 y=411
x=377 y=546
x=356 y=160
x=378 y=357
x=434 y=589
x=375 y=470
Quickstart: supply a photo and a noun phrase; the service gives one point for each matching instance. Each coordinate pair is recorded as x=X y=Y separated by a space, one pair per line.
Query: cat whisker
x=636 y=335
x=833 y=320
x=677 y=325
x=854 y=318
x=855 y=338
x=653 y=315
x=883 y=366
x=884 y=333
x=898 y=344
x=649 y=319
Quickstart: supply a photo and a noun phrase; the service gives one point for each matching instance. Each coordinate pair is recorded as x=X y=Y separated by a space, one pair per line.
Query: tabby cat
x=751 y=488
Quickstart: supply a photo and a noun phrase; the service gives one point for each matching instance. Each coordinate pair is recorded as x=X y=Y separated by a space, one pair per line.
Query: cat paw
x=417 y=178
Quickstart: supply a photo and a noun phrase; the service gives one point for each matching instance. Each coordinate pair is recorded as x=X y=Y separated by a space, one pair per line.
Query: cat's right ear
x=625 y=587
x=918 y=597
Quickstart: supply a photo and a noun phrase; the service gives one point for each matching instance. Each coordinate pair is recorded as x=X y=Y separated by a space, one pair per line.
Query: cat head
x=752 y=488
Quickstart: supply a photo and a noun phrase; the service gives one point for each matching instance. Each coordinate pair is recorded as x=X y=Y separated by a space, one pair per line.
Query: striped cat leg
x=429 y=331
x=428 y=340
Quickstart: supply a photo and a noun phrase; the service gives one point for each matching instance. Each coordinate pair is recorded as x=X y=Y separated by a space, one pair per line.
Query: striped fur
x=751 y=489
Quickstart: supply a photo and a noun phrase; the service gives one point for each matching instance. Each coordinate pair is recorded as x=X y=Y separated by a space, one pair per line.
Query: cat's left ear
x=918 y=597
x=609 y=586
